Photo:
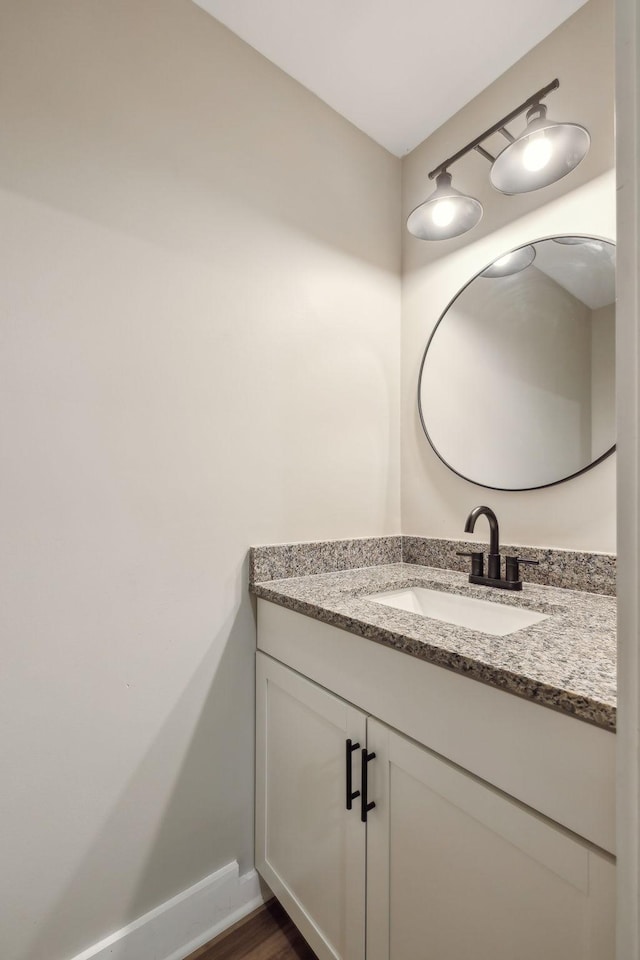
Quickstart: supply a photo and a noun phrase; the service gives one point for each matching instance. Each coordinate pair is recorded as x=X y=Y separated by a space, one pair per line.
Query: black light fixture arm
x=498 y=127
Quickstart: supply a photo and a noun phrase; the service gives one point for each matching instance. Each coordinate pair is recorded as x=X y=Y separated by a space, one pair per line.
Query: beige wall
x=579 y=514
x=628 y=423
x=200 y=350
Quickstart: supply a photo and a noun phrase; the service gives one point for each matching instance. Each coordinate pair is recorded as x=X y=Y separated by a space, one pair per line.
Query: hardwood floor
x=267 y=934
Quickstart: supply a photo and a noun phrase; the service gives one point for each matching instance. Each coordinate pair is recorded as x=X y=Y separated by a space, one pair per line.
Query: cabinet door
x=458 y=871
x=310 y=848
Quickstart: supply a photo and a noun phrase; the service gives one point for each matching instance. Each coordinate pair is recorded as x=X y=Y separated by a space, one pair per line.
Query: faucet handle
x=477 y=562
x=513 y=567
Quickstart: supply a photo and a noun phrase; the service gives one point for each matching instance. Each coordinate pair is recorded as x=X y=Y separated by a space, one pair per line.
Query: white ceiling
x=397 y=69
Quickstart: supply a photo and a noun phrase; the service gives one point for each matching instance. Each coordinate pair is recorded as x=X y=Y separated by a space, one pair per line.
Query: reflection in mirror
x=517 y=384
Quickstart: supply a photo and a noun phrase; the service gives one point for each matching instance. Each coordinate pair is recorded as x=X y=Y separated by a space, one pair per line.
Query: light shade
x=512 y=262
x=447 y=213
x=545 y=152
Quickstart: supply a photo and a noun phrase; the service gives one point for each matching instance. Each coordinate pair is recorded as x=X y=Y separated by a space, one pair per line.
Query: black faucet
x=493 y=560
x=494 y=578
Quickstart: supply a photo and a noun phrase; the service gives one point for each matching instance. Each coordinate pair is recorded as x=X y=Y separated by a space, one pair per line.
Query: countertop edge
x=570 y=703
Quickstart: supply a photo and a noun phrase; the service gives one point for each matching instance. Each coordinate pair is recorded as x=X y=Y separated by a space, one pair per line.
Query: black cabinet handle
x=350 y=795
x=365 y=805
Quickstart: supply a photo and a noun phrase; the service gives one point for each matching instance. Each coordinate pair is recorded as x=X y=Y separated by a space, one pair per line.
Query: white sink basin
x=482 y=615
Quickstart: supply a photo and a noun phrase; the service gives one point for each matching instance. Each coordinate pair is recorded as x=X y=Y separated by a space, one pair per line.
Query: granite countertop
x=566 y=662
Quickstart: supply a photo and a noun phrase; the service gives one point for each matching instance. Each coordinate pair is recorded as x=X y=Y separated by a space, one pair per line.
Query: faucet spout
x=494 y=542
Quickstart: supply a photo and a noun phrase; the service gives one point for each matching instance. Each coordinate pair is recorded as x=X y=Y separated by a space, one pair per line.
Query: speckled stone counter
x=570 y=569
x=566 y=662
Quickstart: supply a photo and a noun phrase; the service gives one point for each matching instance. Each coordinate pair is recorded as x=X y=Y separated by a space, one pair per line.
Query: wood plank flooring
x=266 y=934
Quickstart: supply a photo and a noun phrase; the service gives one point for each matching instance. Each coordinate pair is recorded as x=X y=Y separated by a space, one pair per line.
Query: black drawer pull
x=350 y=795
x=365 y=805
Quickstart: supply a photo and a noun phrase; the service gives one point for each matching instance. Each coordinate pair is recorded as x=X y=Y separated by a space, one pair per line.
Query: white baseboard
x=178 y=927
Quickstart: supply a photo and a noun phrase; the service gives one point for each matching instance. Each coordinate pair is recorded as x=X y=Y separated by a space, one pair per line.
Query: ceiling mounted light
x=511 y=263
x=546 y=152
x=543 y=154
x=446 y=213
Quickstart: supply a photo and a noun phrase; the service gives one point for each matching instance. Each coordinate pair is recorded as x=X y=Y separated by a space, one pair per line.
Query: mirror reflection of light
x=512 y=262
x=443 y=213
x=580 y=241
x=537 y=153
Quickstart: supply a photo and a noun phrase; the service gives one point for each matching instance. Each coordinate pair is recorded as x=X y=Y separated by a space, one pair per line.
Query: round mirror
x=517 y=382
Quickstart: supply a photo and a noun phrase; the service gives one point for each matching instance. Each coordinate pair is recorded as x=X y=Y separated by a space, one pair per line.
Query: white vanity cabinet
x=457 y=870
x=309 y=848
x=453 y=867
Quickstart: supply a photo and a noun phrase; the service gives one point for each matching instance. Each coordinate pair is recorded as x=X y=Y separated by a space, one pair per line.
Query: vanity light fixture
x=446 y=213
x=545 y=152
